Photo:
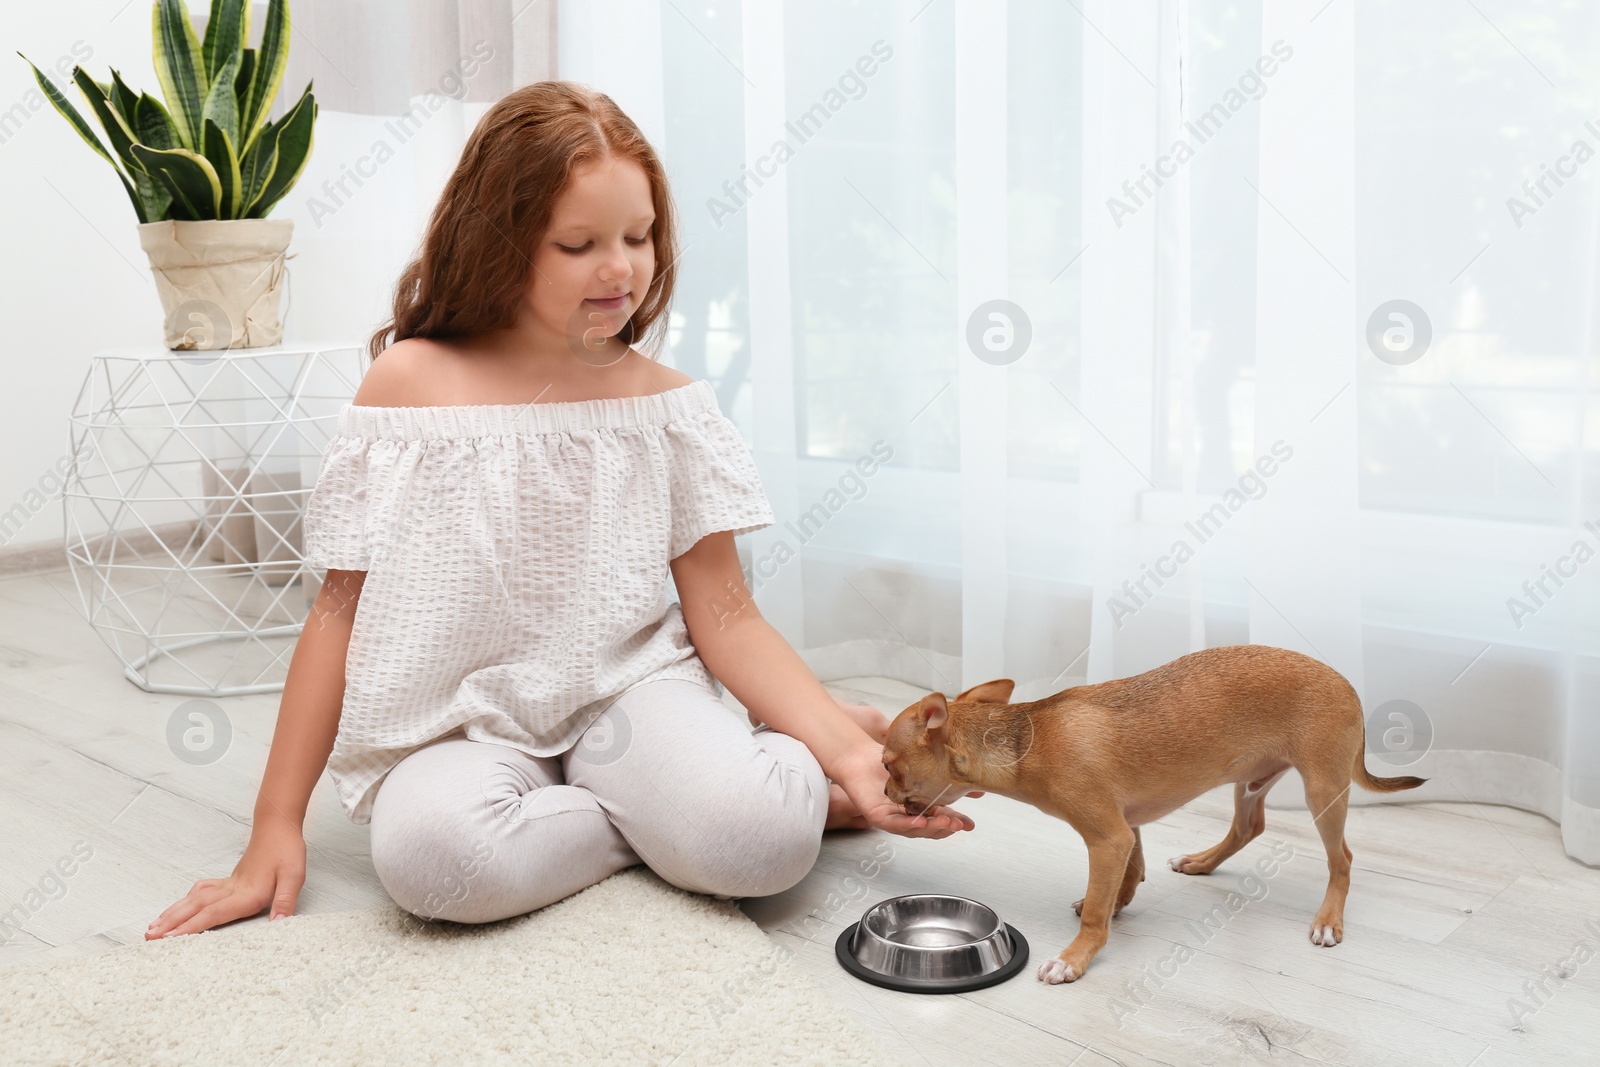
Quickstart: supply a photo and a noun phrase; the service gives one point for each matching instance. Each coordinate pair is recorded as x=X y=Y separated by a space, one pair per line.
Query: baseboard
x=42 y=557
x=35 y=557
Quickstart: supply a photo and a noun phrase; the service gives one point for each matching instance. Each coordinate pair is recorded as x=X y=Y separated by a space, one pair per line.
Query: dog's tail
x=1359 y=775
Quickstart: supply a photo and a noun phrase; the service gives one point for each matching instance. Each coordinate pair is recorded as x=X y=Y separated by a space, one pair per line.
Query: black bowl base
x=1018 y=960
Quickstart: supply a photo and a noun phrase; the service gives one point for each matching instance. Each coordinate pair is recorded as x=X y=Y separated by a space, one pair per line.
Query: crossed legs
x=474 y=832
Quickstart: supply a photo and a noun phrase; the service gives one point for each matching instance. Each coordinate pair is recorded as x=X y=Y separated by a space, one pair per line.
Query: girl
x=492 y=673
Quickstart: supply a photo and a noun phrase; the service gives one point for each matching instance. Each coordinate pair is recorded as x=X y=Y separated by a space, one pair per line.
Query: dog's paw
x=1188 y=865
x=1326 y=934
x=1057 y=971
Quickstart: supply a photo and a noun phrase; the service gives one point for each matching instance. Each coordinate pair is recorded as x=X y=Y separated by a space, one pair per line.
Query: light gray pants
x=667 y=775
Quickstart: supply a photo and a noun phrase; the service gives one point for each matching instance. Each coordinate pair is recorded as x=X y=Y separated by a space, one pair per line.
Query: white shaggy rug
x=632 y=970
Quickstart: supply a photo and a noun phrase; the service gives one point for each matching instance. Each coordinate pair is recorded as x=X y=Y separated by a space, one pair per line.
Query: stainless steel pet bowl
x=931 y=943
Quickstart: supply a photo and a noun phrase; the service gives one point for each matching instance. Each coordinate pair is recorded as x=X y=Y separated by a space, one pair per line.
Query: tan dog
x=1109 y=758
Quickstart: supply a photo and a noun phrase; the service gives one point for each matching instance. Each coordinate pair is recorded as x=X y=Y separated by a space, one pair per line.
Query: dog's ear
x=933 y=711
x=995 y=692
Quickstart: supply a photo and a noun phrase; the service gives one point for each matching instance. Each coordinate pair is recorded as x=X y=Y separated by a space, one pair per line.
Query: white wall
x=74 y=279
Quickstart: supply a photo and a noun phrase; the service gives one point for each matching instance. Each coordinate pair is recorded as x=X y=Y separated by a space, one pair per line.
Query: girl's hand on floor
x=271 y=871
x=862 y=776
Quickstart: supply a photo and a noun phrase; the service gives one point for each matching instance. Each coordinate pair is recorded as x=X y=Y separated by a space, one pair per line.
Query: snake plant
x=210 y=152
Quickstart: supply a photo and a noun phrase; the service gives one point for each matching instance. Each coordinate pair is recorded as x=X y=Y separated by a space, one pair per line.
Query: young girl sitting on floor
x=492 y=672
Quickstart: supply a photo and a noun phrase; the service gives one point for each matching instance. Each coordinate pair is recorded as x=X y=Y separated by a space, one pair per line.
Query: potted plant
x=205 y=168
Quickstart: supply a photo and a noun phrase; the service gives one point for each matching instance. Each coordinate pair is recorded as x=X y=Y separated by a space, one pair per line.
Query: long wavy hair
x=475 y=262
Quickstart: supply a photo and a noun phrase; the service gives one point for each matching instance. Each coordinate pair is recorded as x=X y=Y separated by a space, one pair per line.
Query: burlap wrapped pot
x=219 y=280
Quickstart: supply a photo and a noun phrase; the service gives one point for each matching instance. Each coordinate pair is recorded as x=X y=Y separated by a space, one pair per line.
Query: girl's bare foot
x=842 y=811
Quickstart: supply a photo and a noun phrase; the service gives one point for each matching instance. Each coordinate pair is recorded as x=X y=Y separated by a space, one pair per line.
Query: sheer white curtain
x=1222 y=428
x=399 y=86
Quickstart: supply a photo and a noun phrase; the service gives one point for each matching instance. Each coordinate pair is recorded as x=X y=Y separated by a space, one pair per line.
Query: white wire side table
x=183 y=507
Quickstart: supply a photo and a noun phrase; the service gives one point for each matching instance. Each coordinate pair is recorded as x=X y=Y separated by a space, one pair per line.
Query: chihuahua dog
x=1110 y=757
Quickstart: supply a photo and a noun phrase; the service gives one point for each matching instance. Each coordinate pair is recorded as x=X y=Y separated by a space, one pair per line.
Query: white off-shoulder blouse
x=516 y=561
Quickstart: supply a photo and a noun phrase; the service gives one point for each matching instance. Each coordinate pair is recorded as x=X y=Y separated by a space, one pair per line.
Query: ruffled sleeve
x=715 y=485
x=336 y=514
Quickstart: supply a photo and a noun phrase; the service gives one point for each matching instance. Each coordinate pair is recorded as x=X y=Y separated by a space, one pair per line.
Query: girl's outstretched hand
x=271 y=871
x=862 y=776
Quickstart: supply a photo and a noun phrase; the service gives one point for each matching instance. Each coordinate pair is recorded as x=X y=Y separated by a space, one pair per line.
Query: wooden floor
x=1470 y=937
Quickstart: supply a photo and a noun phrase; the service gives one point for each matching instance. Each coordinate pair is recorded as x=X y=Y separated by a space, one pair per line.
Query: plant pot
x=219 y=280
